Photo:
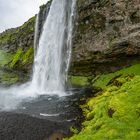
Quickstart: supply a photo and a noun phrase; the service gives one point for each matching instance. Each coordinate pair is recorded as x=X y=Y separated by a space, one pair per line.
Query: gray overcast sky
x=14 y=13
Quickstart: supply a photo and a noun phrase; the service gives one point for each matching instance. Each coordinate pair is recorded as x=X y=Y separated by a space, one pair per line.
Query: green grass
x=28 y=56
x=18 y=59
x=11 y=36
x=79 y=80
x=8 y=78
x=17 y=56
x=11 y=61
x=22 y=58
x=5 y=58
x=115 y=113
x=104 y=79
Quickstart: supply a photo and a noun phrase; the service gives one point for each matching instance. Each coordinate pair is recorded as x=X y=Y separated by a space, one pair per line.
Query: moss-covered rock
x=114 y=114
x=8 y=78
x=79 y=81
x=103 y=80
x=16 y=51
x=20 y=61
x=20 y=37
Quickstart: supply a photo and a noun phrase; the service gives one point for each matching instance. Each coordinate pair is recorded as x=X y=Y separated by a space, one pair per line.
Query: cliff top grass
x=13 y=35
x=113 y=114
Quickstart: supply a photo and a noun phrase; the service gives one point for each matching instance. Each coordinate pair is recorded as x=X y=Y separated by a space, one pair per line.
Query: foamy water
x=52 y=58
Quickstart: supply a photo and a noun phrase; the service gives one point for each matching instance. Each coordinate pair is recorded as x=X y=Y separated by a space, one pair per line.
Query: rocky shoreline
x=15 y=126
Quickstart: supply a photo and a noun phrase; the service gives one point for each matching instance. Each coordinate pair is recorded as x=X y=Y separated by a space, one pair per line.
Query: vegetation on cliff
x=17 y=37
x=16 y=53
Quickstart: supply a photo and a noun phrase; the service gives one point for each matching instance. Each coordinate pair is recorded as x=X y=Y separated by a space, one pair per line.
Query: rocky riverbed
x=43 y=118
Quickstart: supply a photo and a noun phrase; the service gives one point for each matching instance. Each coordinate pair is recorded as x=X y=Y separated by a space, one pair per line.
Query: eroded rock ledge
x=106 y=37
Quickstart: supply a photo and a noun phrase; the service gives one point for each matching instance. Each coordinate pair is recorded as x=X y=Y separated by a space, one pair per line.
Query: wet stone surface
x=44 y=118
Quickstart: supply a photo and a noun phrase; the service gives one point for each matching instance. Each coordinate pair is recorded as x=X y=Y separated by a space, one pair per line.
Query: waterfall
x=52 y=58
x=54 y=49
x=36 y=34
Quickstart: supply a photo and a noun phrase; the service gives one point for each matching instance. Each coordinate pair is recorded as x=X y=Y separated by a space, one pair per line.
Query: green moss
x=17 y=47
x=74 y=130
x=8 y=78
x=16 y=57
x=5 y=58
x=114 y=114
x=104 y=79
x=28 y=56
x=8 y=62
x=79 y=80
x=12 y=36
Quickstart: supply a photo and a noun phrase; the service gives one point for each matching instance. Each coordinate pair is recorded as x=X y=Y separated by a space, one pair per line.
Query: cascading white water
x=53 y=54
x=36 y=34
x=52 y=57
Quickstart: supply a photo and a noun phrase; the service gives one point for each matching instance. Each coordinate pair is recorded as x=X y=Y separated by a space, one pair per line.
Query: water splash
x=53 y=54
x=52 y=58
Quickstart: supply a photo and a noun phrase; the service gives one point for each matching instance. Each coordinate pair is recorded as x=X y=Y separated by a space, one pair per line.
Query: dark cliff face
x=106 y=37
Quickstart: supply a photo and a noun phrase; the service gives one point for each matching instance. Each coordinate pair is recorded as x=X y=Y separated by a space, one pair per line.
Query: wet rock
x=23 y=127
x=105 y=32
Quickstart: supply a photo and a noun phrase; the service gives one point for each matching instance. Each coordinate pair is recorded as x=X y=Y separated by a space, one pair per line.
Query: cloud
x=14 y=13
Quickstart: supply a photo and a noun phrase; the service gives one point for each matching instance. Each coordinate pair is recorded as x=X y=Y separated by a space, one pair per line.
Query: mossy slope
x=16 y=53
x=14 y=66
x=114 y=114
x=103 y=80
x=18 y=36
